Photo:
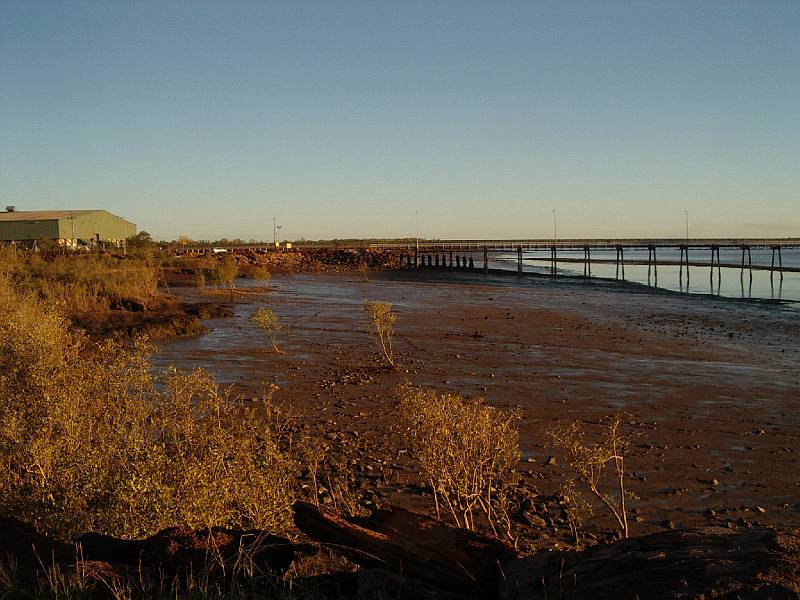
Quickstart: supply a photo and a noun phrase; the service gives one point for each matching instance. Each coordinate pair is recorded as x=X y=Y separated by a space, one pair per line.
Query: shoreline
x=477 y=277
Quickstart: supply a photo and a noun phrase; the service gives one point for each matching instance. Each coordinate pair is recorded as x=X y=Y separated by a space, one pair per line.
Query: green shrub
x=268 y=322
x=260 y=273
x=227 y=270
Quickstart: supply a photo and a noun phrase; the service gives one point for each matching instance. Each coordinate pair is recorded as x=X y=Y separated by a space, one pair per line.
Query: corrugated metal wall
x=82 y=227
x=110 y=227
x=28 y=230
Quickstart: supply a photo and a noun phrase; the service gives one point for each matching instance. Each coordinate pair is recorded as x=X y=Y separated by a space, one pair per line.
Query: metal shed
x=68 y=227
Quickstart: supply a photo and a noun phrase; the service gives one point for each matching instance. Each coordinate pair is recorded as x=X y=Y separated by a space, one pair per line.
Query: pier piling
x=780 y=261
x=587 y=261
x=748 y=263
x=684 y=258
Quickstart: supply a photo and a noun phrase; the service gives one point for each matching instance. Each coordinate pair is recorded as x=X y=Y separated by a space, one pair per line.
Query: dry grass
x=77 y=283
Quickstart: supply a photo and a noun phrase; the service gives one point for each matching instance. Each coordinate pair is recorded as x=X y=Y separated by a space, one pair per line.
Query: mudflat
x=708 y=388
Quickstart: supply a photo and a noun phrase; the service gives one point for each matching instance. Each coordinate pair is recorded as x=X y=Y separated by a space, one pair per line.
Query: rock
x=551 y=460
x=534 y=520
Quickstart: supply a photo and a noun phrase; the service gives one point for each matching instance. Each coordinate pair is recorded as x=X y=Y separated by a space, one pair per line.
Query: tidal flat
x=708 y=389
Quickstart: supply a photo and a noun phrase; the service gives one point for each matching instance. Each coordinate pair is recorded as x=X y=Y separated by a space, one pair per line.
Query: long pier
x=459 y=254
x=426 y=253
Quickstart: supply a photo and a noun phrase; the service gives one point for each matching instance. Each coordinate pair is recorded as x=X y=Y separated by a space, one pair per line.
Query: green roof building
x=68 y=227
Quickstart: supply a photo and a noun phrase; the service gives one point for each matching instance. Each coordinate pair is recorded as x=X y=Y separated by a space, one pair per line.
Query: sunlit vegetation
x=467 y=451
x=89 y=442
x=266 y=320
x=595 y=463
x=78 y=282
x=380 y=322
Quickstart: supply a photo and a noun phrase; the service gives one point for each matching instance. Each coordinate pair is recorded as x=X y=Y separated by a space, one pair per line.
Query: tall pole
x=275 y=228
x=555 y=229
x=416 y=213
x=686 y=214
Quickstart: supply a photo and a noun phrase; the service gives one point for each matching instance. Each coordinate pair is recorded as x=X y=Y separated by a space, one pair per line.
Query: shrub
x=91 y=441
x=79 y=282
x=380 y=321
x=260 y=273
x=467 y=451
x=590 y=462
x=268 y=321
x=227 y=270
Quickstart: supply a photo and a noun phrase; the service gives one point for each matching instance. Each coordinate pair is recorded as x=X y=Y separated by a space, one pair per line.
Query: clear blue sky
x=343 y=118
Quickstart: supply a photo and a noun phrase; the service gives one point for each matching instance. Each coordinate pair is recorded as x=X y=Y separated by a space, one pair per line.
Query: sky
x=353 y=119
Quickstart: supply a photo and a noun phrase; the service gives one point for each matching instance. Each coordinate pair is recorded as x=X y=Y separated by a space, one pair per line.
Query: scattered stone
x=551 y=460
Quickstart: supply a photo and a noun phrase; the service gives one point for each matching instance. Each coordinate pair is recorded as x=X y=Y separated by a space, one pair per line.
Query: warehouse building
x=70 y=228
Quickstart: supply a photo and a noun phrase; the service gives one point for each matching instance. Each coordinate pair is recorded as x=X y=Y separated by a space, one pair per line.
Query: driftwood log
x=174 y=551
x=694 y=563
x=411 y=545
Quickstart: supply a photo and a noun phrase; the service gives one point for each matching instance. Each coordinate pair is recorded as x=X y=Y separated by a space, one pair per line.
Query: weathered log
x=28 y=550
x=691 y=563
x=184 y=550
x=171 y=551
x=411 y=545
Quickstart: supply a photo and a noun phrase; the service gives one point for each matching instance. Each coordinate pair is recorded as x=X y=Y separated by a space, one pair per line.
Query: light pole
x=686 y=214
x=275 y=228
x=555 y=230
x=416 y=214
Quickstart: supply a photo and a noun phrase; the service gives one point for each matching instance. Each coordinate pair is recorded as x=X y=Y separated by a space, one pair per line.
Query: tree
x=260 y=273
x=140 y=240
x=226 y=271
x=268 y=321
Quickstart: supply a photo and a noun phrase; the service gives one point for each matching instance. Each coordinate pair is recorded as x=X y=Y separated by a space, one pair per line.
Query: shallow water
x=727 y=281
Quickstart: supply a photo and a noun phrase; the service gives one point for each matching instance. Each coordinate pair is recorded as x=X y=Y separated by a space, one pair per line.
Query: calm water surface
x=731 y=282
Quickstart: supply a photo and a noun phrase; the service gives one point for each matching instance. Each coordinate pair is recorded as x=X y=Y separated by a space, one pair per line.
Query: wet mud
x=708 y=388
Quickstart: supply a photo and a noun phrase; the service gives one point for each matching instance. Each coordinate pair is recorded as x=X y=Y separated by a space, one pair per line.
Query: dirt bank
x=164 y=317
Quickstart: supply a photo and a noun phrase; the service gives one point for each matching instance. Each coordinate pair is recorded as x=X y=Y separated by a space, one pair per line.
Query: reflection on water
x=718 y=278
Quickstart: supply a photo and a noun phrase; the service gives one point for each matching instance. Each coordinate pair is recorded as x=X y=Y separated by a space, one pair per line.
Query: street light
x=686 y=214
x=416 y=214
x=275 y=228
x=555 y=230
